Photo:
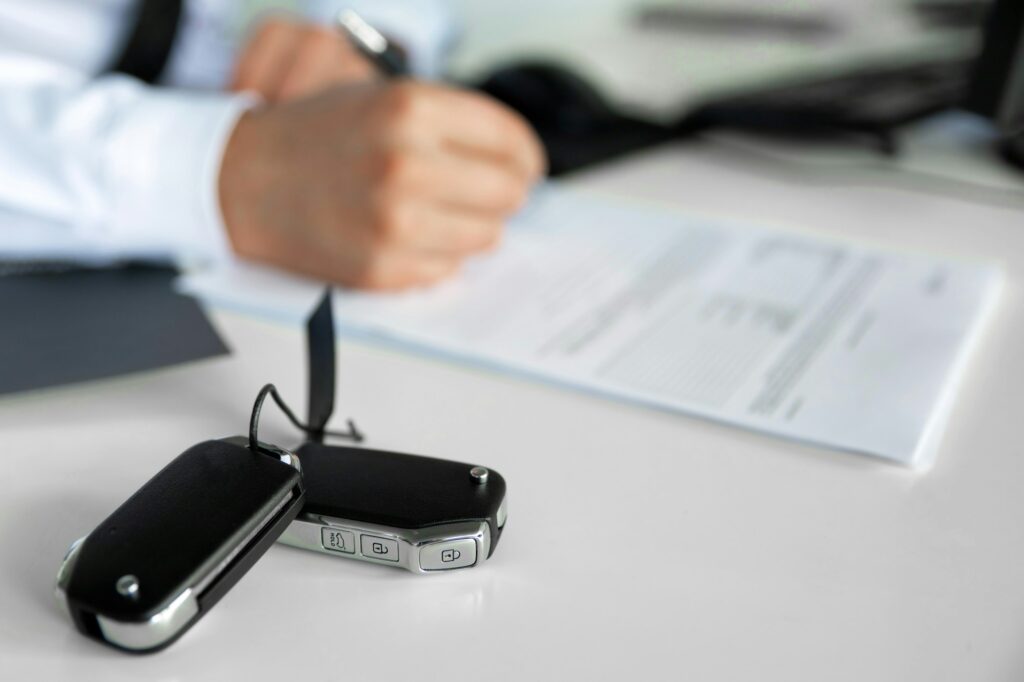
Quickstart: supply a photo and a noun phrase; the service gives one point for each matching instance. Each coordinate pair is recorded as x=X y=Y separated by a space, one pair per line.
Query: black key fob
x=423 y=514
x=174 y=548
x=419 y=513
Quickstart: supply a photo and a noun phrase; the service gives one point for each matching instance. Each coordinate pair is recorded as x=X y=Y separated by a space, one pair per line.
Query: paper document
x=790 y=334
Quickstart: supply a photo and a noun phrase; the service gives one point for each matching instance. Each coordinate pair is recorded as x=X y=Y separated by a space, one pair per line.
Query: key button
x=378 y=548
x=338 y=540
x=441 y=556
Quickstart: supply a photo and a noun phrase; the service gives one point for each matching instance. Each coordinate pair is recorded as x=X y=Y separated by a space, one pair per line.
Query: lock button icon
x=443 y=556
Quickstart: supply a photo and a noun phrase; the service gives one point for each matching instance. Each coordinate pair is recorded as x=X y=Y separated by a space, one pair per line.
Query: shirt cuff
x=165 y=169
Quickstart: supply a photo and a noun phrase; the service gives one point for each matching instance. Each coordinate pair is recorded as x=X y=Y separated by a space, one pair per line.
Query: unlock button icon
x=450 y=555
x=375 y=547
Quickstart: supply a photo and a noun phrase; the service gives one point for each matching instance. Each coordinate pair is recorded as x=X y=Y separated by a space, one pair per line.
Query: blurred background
x=602 y=77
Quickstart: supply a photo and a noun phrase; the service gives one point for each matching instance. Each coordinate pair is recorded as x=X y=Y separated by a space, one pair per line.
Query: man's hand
x=379 y=185
x=285 y=60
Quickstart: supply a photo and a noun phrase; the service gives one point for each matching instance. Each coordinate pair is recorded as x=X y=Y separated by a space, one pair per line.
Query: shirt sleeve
x=120 y=168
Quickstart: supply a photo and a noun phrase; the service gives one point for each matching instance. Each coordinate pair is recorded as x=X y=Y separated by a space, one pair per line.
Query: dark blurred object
x=878 y=102
x=62 y=324
x=951 y=13
x=575 y=125
x=1012 y=150
x=997 y=91
x=149 y=43
x=872 y=102
x=867 y=100
x=734 y=21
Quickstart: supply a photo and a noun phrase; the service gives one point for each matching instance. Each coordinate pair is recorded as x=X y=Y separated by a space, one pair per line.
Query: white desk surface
x=641 y=545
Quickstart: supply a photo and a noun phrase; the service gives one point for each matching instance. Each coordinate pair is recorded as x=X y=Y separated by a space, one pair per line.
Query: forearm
x=126 y=169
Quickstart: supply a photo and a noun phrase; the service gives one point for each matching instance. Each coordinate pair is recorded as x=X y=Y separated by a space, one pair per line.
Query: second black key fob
x=174 y=548
x=419 y=513
x=423 y=514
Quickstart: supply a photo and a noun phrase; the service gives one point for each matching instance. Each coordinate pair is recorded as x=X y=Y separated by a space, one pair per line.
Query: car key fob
x=174 y=548
x=419 y=513
x=423 y=514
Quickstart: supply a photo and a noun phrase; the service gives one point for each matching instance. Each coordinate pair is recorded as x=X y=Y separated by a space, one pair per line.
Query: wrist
x=240 y=182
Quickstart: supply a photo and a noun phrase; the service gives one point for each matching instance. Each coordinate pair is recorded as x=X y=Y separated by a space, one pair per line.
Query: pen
x=372 y=44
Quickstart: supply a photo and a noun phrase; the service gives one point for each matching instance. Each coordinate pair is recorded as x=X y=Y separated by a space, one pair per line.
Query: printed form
x=795 y=335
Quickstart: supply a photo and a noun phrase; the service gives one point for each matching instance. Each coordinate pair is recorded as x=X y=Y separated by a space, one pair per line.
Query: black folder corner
x=62 y=326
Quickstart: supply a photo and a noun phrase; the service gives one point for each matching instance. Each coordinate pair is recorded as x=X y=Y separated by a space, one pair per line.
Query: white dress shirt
x=98 y=166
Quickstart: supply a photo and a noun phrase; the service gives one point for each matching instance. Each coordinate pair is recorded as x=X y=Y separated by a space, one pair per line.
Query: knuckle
x=402 y=102
x=390 y=224
x=273 y=29
x=494 y=242
x=520 y=129
x=509 y=194
x=267 y=30
x=373 y=275
x=310 y=49
x=510 y=129
x=493 y=237
x=439 y=273
x=517 y=195
x=321 y=41
x=392 y=168
x=524 y=139
x=481 y=239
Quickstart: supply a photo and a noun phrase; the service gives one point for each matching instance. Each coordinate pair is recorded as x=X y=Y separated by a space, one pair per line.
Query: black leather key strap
x=150 y=41
x=320 y=339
